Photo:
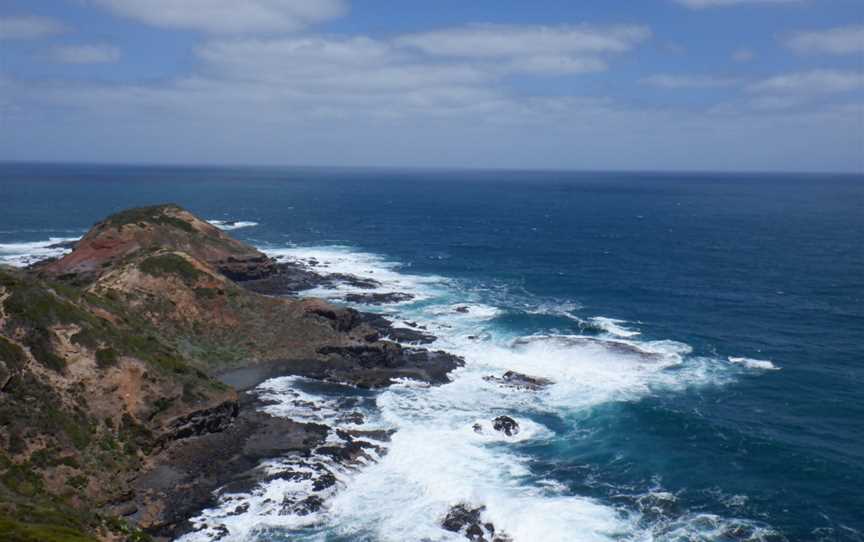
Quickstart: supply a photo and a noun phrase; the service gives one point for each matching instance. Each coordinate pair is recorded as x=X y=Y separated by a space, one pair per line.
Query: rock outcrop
x=519 y=381
x=467 y=521
x=506 y=425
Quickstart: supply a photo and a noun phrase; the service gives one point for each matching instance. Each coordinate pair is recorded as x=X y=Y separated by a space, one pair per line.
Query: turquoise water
x=742 y=420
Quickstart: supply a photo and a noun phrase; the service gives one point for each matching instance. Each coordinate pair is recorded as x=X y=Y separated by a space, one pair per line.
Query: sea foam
x=436 y=459
x=24 y=254
x=750 y=363
x=229 y=225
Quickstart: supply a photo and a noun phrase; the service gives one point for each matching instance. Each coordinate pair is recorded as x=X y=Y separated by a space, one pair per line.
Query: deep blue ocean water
x=762 y=267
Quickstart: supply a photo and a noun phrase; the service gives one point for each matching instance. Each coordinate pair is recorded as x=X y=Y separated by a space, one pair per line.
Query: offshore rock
x=467 y=521
x=506 y=425
x=512 y=379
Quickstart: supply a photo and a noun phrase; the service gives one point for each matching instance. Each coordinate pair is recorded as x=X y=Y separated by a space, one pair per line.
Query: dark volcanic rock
x=378 y=298
x=212 y=420
x=376 y=365
x=512 y=379
x=506 y=425
x=463 y=309
x=183 y=478
x=69 y=245
x=303 y=507
x=289 y=278
x=385 y=328
x=410 y=336
x=466 y=520
x=350 y=453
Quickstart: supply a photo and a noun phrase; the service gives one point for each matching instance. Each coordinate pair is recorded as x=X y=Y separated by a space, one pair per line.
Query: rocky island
x=126 y=363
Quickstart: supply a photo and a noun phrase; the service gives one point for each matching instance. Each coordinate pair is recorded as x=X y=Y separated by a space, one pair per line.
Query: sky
x=724 y=85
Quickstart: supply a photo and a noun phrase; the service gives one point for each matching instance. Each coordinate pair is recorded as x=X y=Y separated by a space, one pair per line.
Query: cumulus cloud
x=28 y=27
x=554 y=65
x=85 y=54
x=530 y=49
x=702 y=4
x=229 y=16
x=837 y=41
x=332 y=65
x=688 y=81
x=811 y=82
x=496 y=41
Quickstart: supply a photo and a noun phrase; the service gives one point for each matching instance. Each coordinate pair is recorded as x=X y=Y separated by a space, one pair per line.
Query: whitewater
x=444 y=452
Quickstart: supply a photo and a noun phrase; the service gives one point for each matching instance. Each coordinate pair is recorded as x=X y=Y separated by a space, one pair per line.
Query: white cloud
x=838 y=41
x=777 y=103
x=554 y=65
x=496 y=41
x=28 y=27
x=229 y=16
x=743 y=55
x=688 y=81
x=811 y=82
x=332 y=65
x=85 y=54
x=364 y=101
x=702 y=4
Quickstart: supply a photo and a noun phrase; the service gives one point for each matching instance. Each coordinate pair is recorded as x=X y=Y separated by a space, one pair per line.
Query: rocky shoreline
x=171 y=327
x=145 y=344
x=186 y=480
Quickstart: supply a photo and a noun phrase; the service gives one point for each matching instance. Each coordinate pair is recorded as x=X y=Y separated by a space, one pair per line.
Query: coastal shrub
x=170 y=264
x=22 y=479
x=106 y=357
x=8 y=277
x=11 y=354
x=136 y=436
x=207 y=293
x=131 y=532
x=85 y=337
x=78 y=481
x=153 y=215
x=39 y=306
x=15 y=530
x=39 y=342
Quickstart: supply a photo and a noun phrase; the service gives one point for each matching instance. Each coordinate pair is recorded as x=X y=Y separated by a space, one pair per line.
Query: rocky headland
x=127 y=362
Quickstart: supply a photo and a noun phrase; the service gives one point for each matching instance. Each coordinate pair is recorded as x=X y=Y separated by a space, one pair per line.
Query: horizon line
x=237 y=165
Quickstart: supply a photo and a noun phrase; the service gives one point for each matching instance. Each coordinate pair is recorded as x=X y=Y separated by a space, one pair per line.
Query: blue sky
x=647 y=84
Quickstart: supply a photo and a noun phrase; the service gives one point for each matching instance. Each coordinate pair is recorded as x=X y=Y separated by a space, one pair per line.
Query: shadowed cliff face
x=106 y=357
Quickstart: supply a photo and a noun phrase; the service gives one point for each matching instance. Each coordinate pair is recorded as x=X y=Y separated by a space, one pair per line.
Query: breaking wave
x=228 y=225
x=27 y=253
x=445 y=451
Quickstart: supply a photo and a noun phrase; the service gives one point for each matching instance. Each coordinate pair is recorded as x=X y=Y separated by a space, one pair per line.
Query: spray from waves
x=294 y=491
x=445 y=452
x=598 y=324
x=344 y=260
x=24 y=254
x=228 y=225
x=750 y=363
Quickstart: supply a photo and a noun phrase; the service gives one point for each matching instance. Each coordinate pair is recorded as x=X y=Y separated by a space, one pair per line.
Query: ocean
x=704 y=332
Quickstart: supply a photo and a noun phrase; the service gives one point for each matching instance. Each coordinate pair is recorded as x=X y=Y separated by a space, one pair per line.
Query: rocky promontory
x=118 y=367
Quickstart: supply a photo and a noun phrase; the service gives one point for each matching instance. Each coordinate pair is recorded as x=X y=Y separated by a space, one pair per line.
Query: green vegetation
x=40 y=306
x=39 y=342
x=8 y=276
x=17 y=531
x=106 y=357
x=153 y=215
x=171 y=264
x=11 y=354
